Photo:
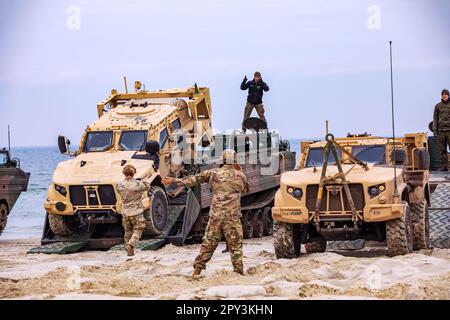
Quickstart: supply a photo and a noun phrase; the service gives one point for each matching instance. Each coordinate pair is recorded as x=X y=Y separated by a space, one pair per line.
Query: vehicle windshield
x=133 y=140
x=3 y=159
x=98 y=141
x=370 y=153
x=316 y=157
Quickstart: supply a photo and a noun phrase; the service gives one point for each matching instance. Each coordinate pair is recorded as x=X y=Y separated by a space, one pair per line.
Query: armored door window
x=176 y=124
x=163 y=135
x=133 y=140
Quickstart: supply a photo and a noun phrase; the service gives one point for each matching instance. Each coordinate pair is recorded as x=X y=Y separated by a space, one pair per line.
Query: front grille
x=77 y=195
x=335 y=204
x=107 y=195
x=96 y=195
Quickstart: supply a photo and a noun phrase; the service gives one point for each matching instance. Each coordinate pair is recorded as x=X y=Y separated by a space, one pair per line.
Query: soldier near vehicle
x=133 y=220
x=441 y=127
x=256 y=88
x=227 y=183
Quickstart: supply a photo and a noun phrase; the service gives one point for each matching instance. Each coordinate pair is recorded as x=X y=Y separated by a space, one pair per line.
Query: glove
x=167 y=181
x=245 y=79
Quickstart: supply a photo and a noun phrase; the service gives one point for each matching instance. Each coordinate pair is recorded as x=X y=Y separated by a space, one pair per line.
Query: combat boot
x=130 y=250
x=239 y=271
x=197 y=271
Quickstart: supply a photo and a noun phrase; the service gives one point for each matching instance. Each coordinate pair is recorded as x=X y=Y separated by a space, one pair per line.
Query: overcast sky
x=323 y=60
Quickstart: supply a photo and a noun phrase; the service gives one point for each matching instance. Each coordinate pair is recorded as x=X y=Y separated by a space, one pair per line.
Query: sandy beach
x=165 y=274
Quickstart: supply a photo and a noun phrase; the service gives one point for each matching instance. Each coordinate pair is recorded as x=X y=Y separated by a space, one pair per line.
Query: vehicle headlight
x=374 y=191
x=61 y=190
x=295 y=192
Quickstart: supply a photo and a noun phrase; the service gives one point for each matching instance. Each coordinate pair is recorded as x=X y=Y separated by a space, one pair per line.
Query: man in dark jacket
x=256 y=88
x=441 y=127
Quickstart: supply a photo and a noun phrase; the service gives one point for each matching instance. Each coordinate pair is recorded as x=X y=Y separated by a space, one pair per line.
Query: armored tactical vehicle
x=359 y=187
x=13 y=181
x=162 y=133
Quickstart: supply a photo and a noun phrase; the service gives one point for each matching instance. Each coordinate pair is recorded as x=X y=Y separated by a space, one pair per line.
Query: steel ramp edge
x=157 y=241
x=59 y=247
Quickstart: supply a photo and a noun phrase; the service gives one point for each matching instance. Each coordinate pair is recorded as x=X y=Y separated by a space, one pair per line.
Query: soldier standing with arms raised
x=441 y=127
x=256 y=88
x=227 y=183
x=133 y=221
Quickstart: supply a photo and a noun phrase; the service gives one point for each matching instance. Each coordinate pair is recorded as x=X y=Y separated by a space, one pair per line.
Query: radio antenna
x=9 y=141
x=393 y=120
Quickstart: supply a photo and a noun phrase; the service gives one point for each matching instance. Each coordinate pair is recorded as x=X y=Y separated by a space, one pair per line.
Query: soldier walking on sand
x=256 y=88
x=133 y=220
x=441 y=127
x=227 y=183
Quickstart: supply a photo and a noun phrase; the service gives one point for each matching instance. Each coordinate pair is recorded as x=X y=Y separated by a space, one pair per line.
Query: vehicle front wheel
x=63 y=226
x=4 y=212
x=157 y=215
x=399 y=235
x=420 y=225
x=286 y=239
x=316 y=246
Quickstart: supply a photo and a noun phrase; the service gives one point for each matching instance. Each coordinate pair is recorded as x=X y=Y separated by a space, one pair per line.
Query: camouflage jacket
x=227 y=185
x=131 y=191
x=441 y=118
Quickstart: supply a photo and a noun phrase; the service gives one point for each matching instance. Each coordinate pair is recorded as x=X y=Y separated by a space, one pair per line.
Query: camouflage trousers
x=231 y=229
x=444 y=141
x=249 y=108
x=133 y=227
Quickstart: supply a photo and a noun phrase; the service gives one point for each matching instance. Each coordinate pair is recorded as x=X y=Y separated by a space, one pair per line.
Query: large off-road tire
x=421 y=225
x=286 y=240
x=316 y=246
x=157 y=215
x=4 y=212
x=63 y=226
x=258 y=224
x=399 y=235
x=268 y=221
x=247 y=224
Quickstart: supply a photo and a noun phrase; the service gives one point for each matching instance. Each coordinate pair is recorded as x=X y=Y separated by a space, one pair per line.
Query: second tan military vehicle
x=359 y=187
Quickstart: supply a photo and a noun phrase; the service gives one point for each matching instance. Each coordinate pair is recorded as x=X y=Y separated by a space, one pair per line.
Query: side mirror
x=399 y=156
x=152 y=147
x=62 y=144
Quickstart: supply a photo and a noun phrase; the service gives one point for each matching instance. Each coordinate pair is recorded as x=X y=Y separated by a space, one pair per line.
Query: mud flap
x=59 y=248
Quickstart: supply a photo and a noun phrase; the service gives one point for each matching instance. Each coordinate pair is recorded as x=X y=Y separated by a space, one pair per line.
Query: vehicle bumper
x=290 y=214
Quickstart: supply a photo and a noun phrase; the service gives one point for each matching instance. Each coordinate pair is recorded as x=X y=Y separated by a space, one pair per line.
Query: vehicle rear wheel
x=420 y=225
x=399 y=234
x=63 y=226
x=157 y=215
x=316 y=246
x=268 y=221
x=258 y=224
x=286 y=239
x=4 y=212
x=247 y=224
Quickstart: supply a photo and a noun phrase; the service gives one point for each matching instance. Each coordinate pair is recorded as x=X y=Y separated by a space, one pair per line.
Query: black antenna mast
x=9 y=141
x=393 y=120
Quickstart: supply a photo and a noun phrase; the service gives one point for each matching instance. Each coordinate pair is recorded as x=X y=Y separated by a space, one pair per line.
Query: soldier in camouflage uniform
x=441 y=127
x=133 y=220
x=227 y=183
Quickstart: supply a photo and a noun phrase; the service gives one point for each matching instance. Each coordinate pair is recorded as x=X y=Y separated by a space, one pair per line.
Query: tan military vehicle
x=162 y=133
x=359 y=187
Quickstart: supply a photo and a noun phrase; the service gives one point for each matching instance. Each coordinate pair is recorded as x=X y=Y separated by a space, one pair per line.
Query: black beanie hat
x=444 y=91
x=257 y=73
